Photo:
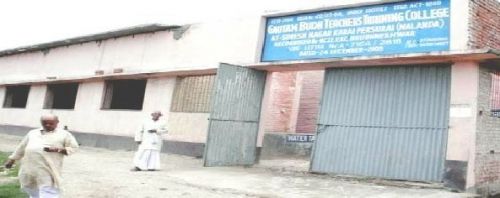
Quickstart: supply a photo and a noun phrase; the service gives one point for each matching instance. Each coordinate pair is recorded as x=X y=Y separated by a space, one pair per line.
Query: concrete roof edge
x=128 y=75
x=140 y=29
x=493 y=52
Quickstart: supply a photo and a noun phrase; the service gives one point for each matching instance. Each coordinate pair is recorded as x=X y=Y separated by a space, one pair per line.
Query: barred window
x=193 y=94
x=16 y=96
x=495 y=94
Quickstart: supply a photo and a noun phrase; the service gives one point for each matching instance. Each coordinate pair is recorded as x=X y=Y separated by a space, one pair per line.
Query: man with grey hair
x=41 y=153
x=149 y=139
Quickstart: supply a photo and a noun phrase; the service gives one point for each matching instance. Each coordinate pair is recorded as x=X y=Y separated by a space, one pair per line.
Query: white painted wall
x=202 y=46
x=463 y=116
x=188 y=127
x=87 y=115
x=459 y=25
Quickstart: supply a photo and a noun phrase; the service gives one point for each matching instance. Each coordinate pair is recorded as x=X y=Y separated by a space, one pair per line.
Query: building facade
x=403 y=90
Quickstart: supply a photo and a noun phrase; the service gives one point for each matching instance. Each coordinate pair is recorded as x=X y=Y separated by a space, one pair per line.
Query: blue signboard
x=396 y=28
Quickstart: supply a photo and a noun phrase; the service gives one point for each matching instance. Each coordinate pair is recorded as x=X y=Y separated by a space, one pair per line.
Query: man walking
x=149 y=140
x=41 y=153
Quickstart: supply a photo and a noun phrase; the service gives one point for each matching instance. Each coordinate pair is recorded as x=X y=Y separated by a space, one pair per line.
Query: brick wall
x=312 y=84
x=484 y=24
x=487 y=164
x=281 y=102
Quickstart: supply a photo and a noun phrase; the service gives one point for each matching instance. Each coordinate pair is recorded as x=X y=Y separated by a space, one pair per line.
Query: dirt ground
x=101 y=173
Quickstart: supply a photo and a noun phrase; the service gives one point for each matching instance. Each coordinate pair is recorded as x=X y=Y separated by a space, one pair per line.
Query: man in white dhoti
x=149 y=139
x=41 y=153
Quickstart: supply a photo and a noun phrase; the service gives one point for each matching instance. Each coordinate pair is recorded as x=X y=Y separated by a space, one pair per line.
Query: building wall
x=487 y=154
x=87 y=115
x=201 y=46
x=462 y=127
x=293 y=101
x=459 y=30
x=278 y=115
x=188 y=127
x=484 y=26
x=310 y=93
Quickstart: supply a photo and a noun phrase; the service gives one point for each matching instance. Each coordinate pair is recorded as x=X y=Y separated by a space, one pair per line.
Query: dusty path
x=103 y=173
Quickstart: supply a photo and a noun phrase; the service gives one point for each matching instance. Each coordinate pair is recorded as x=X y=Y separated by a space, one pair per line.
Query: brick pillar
x=281 y=95
x=311 y=85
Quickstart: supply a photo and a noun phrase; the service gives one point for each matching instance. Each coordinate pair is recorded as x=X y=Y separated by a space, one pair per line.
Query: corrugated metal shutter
x=234 y=119
x=192 y=94
x=388 y=122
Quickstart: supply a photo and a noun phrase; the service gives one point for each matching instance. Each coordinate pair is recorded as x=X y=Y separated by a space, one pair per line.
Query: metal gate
x=388 y=122
x=234 y=119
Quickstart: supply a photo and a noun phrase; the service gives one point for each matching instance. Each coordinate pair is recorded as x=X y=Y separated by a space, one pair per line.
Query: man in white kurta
x=149 y=138
x=41 y=153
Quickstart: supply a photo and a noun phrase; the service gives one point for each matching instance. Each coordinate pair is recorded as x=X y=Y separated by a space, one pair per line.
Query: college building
x=405 y=90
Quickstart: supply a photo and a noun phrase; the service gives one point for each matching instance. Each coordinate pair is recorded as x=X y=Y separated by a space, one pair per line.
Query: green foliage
x=9 y=190
x=10 y=172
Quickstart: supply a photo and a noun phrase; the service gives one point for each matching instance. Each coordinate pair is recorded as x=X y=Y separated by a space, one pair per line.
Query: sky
x=29 y=22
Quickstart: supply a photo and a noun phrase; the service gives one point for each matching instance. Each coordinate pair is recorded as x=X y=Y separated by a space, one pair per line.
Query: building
x=406 y=90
